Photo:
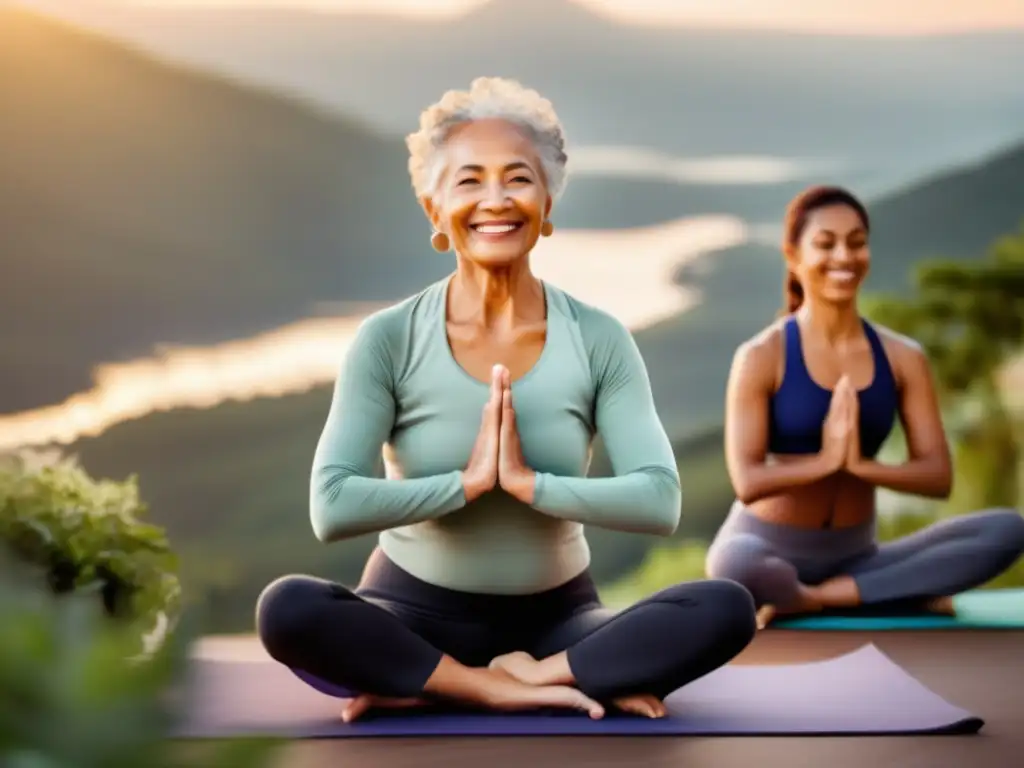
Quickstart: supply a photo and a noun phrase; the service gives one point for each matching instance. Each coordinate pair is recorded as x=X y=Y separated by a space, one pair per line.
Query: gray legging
x=951 y=556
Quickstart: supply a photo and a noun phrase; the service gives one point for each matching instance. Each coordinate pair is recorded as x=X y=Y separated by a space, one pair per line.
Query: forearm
x=645 y=501
x=930 y=478
x=344 y=505
x=760 y=481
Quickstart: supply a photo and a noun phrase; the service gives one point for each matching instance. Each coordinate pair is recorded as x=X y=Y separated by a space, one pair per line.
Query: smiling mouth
x=842 y=275
x=496 y=227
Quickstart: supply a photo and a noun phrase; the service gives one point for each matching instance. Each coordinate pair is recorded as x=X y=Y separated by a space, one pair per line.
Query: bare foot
x=808 y=601
x=765 y=614
x=506 y=694
x=641 y=704
x=943 y=605
x=523 y=667
x=518 y=665
x=360 y=705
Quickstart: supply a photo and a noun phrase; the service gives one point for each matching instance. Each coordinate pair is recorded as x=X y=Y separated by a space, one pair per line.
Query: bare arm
x=746 y=431
x=928 y=471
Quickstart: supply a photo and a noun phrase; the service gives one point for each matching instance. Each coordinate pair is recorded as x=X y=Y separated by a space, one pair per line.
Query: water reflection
x=626 y=272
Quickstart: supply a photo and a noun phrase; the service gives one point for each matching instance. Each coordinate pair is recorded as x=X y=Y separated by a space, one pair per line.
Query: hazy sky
x=862 y=16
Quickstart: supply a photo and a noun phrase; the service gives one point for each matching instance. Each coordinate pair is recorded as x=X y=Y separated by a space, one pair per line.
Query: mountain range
x=884 y=108
x=144 y=203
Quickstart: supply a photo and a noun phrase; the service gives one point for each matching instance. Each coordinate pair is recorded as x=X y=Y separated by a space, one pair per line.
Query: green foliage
x=71 y=698
x=968 y=316
x=89 y=536
x=986 y=459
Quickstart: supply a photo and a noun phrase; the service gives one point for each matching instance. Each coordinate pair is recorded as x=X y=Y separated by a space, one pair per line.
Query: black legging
x=387 y=637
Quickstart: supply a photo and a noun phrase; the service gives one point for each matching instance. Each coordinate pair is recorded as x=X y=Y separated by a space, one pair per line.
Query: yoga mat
x=860 y=693
x=980 y=609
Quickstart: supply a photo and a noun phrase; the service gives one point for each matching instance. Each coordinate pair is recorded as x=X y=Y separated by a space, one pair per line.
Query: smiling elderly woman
x=486 y=389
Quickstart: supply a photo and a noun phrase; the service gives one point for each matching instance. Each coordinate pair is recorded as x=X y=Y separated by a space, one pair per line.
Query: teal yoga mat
x=980 y=609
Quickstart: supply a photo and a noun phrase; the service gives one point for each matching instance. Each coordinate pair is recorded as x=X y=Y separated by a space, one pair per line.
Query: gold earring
x=439 y=242
x=547 y=228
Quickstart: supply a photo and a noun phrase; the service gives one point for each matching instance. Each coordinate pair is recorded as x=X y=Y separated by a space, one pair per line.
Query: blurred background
x=200 y=199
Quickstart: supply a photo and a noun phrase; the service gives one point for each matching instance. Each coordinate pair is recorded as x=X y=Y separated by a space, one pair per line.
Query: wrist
x=855 y=465
x=472 y=488
x=831 y=461
x=523 y=486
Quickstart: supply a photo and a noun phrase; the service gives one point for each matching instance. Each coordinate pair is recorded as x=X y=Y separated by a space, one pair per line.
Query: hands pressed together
x=497 y=457
x=514 y=681
x=840 y=442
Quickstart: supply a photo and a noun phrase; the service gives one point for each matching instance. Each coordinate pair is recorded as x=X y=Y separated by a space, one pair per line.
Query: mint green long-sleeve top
x=401 y=386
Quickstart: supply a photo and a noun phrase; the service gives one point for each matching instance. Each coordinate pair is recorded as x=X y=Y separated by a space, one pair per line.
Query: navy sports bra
x=798 y=409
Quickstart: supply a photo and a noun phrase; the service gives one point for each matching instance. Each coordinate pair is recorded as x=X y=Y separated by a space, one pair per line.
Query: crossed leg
x=931 y=565
x=774 y=582
x=942 y=560
x=650 y=649
x=386 y=653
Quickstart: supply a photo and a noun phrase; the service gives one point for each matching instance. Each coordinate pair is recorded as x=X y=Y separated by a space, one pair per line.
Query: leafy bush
x=88 y=536
x=69 y=698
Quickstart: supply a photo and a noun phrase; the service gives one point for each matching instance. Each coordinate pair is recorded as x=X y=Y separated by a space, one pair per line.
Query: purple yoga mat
x=860 y=693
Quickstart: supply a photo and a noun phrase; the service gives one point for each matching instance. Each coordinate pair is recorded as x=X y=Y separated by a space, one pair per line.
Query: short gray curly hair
x=487 y=97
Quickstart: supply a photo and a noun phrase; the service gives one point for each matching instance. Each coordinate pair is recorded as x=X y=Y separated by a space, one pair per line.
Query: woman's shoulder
x=896 y=342
x=399 y=313
x=905 y=353
x=607 y=342
x=389 y=328
x=764 y=348
x=594 y=322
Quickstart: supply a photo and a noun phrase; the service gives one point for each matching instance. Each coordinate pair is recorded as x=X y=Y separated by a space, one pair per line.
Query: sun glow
x=870 y=17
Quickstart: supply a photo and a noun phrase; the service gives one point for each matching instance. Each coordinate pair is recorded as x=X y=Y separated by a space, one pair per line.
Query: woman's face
x=832 y=258
x=492 y=199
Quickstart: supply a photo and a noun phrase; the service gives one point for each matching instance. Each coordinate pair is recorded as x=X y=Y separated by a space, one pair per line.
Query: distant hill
x=893 y=106
x=236 y=500
x=143 y=204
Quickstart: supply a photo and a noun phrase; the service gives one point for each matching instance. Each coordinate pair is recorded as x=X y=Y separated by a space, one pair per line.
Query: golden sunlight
x=417 y=8
x=873 y=17
x=639 y=290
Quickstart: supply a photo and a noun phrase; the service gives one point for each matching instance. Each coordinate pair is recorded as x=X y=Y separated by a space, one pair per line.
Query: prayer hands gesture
x=840 y=444
x=497 y=457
